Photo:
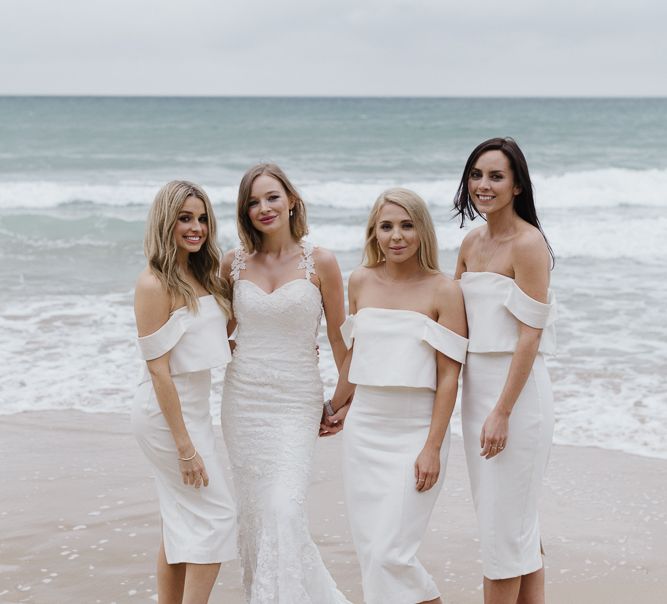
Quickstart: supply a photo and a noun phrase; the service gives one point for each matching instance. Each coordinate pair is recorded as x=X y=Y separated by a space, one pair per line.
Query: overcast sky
x=334 y=47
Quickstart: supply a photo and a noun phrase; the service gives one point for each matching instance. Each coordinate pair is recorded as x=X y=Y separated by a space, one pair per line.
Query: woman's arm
x=531 y=274
x=342 y=396
x=340 y=401
x=152 y=306
x=451 y=314
x=333 y=301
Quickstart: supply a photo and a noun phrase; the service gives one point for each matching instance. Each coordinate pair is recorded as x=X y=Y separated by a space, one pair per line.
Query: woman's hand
x=333 y=424
x=427 y=468
x=324 y=428
x=493 y=438
x=194 y=472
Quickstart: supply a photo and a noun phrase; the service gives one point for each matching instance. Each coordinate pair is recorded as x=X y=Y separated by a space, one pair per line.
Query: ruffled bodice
x=196 y=341
x=397 y=347
x=495 y=305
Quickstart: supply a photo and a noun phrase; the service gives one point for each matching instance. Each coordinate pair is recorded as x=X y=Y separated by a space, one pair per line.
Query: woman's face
x=269 y=205
x=191 y=229
x=396 y=233
x=491 y=182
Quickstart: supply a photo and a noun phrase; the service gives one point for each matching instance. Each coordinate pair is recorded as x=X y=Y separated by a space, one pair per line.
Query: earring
x=291 y=212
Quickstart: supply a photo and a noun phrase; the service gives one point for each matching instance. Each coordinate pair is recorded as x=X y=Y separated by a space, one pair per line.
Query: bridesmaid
x=181 y=307
x=406 y=333
x=507 y=404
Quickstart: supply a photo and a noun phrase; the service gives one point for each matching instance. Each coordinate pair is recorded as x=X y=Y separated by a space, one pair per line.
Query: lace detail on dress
x=238 y=264
x=307 y=262
x=271 y=409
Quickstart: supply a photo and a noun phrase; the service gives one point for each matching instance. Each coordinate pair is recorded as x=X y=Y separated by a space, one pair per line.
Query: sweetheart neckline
x=261 y=289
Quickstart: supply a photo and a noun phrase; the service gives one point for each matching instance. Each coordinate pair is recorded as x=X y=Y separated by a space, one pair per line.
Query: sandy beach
x=79 y=520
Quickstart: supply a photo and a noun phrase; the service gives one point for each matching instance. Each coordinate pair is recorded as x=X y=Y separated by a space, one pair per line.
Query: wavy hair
x=416 y=208
x=250 y=237
x=523 y=203
x=161 y=250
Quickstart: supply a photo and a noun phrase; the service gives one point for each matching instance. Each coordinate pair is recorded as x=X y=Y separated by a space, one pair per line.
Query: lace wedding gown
x=271 y=409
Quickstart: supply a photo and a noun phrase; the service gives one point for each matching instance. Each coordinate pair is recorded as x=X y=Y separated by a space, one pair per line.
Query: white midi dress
x=198 y=525
x=506 y=487
x=394 y=367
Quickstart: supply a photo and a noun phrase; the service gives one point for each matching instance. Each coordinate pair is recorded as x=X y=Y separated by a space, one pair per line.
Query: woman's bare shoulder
x=530 y=249
x=149 y=285
x=445 y=287
x=226 y=263
x=361 y=275
x=152 y=302
x=325 y=260
x=473 y=235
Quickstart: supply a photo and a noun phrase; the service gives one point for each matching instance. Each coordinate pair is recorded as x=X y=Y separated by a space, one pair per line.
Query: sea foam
x=591 y=188
x=78 y=352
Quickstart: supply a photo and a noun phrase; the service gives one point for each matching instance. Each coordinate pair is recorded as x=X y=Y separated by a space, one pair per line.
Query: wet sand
x=79 y=521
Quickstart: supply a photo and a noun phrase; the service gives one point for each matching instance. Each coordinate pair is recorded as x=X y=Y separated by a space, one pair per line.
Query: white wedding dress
x=271 y=410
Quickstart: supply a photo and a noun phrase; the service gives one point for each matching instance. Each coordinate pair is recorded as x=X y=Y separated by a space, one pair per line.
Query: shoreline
x=79 y=520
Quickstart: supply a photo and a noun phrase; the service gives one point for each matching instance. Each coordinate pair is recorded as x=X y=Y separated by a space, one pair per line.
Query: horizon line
x=326 y=97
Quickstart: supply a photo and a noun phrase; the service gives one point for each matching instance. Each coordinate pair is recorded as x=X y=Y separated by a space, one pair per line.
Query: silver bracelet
x=188 y=458
x=328 y=408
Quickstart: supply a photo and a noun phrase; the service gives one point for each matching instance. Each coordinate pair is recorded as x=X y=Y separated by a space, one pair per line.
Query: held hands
x=493 y=438
x=333 y=424
x=193 y=471
x=427 y=468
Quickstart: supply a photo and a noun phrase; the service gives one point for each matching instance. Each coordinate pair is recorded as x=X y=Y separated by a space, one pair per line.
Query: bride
x=272 y=399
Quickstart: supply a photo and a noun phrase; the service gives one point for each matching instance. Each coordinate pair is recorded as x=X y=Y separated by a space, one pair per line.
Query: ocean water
x=77 y=176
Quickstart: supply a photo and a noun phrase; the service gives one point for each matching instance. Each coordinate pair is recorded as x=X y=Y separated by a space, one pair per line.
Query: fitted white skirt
x=385 y=430
x=506 y=487
x=198 y=525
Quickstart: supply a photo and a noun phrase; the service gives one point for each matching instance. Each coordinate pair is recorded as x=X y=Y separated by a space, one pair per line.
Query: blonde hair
x=250 y=237
x=161 y=249
x=416 y=208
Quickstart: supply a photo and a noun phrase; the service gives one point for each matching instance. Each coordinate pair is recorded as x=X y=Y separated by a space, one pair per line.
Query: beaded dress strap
x=238 y=264
x=307 y=262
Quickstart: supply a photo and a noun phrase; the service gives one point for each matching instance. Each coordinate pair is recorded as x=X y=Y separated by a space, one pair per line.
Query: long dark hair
x=524 y=204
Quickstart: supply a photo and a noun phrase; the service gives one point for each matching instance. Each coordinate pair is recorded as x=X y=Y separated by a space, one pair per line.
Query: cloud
x=362 y=47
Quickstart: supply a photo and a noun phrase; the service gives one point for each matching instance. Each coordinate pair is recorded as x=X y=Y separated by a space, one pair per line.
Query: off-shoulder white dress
x=198 y=525
x=506 y=487
x=394 y=367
